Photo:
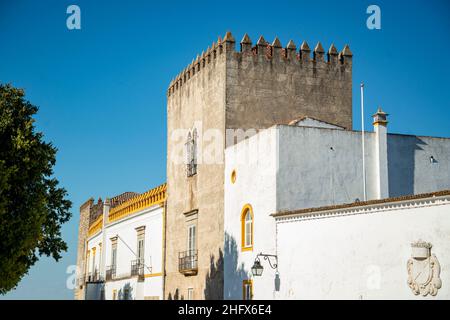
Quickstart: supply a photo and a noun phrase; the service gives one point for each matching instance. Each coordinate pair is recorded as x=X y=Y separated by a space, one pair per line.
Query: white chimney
x=106 y=207
x=381 y=162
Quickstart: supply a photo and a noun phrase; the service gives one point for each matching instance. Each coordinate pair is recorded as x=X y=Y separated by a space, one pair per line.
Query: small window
x=233 y=176
x=190 y=295
x=247 y=290
x=192 y=238
x=247 y=228
x=139 y=263
x=114 y=256
x=140 y=249
x=140 y=232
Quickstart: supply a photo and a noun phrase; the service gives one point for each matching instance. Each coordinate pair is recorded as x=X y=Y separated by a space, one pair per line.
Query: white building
x=125 y=249
x=383 y=249
x=307 y=164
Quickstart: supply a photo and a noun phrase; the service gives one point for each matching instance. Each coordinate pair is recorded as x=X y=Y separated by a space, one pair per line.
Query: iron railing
x=110 y=273
x=93 y=276
x=187 y=262
x=137 y=268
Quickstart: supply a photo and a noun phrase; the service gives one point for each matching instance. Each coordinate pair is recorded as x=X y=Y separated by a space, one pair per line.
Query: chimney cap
x=380 y=112
x=380 y=117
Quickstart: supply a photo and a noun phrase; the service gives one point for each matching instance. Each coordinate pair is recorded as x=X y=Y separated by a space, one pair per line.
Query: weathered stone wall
x=198 y=101
x=83 y=228
x=224 y=89
x=270 y=85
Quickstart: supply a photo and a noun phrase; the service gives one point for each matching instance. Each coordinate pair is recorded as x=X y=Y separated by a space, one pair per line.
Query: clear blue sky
x=102 y=89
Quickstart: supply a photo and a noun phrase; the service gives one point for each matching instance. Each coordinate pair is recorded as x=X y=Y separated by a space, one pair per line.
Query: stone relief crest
x=423 y=270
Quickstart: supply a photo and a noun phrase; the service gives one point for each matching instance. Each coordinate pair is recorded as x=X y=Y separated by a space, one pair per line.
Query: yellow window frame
x=246 y=283
x=245 y=209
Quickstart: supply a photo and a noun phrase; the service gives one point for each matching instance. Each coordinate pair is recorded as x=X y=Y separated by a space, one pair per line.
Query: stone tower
x=222 y=90
x=83 y=228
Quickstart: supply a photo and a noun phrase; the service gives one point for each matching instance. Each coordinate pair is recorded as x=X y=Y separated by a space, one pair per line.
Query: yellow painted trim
x=246 y=208
x=140 y=202
x=96 y=226
x=163 y=251
x=247 y=282
x=150 y=275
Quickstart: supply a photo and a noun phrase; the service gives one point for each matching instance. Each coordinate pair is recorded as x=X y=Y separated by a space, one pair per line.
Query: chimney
x=381 y=163
x=106 y=207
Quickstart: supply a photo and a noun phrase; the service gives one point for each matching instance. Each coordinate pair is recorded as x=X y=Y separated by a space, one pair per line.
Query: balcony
x=110 y=273
x=137 y=269
x=187 y=262
x=93 y=277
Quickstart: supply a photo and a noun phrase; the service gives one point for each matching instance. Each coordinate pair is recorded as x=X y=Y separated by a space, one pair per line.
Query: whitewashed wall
x=361 y=255
x=94 y=242
x=152 y=219
x=319 y=167
x=255 y=164
x=291 y=167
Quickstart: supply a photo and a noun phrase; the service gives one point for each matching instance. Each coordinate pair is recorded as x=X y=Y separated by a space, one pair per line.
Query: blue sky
x=102 y=89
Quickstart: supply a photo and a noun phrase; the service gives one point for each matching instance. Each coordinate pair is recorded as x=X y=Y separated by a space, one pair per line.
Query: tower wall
x=195 y=99
x=222 y=89
x=83 y=228
x=268 y=84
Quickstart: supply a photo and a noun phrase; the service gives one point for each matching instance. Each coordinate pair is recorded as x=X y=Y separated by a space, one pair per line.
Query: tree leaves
x=32 y=206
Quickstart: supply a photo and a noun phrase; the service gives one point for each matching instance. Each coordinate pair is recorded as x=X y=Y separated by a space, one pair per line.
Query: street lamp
x=258 y=269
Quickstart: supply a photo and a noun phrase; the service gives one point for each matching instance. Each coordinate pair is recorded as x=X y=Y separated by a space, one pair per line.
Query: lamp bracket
x=268 y=257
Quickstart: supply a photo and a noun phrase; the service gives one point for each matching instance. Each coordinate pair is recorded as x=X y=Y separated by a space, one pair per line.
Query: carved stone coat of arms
x=423 y=270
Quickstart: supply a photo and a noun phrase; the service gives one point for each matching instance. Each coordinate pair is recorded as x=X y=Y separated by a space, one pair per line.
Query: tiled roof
x=295 y=121
x=121 y=198
x=138 y=202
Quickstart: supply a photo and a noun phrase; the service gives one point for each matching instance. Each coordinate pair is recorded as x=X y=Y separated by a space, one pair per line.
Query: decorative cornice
x=96 y=226
x=412 y=201
x=147 y=199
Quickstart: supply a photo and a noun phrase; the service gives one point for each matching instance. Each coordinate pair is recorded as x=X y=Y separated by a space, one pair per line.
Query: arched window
x=247 y=228
x=191 y=152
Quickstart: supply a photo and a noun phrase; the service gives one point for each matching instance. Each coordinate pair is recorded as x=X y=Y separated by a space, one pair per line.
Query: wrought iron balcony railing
x=110 y=273
x=137 y=268
x=93 y=276
x=187 y=262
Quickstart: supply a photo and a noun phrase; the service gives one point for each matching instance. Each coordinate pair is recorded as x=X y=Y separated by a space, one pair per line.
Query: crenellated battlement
x=264 y=51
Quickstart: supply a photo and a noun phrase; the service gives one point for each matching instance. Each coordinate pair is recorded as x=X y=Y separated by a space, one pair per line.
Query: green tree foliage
x=32 y=206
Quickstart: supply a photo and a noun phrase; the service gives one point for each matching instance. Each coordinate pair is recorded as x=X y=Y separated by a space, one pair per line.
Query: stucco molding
x=366 y=209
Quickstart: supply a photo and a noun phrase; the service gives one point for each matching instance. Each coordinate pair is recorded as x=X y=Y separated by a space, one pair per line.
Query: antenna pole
x=363 y=144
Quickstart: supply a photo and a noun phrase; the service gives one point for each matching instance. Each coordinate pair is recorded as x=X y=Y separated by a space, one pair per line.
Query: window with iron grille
x=191 y=152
